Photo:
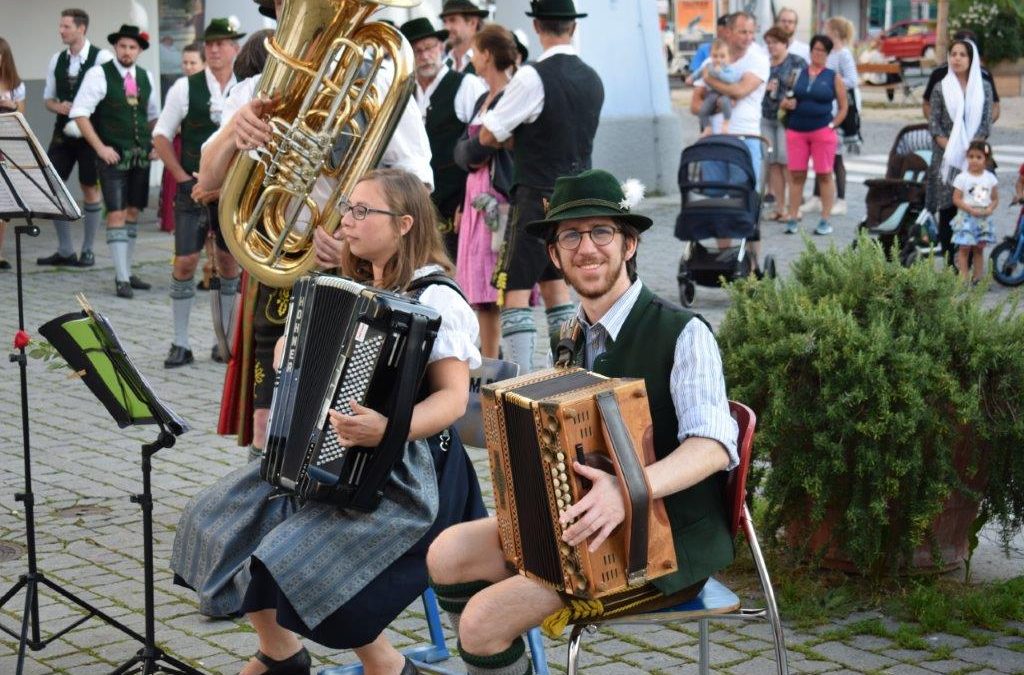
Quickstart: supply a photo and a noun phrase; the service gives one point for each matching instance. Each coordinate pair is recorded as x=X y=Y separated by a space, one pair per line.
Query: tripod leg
x=30 y=602
x=106 y=618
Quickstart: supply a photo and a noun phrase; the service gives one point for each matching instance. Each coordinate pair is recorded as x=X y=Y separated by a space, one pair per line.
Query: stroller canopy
x=718 y=187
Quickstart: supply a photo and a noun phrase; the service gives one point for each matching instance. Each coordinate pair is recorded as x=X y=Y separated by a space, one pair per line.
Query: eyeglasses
x=359 y=212
x=601 y=235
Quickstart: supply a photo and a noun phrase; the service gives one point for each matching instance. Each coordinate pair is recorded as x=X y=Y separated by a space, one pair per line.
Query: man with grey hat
x=447 y=100
x=195 y=104
x=462 y=19
x=115 y=110
x=591 y=232
x=550 y=110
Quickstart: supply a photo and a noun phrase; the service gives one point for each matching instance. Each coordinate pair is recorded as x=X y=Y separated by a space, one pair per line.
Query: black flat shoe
x=124 y=289
x=58 y=259
x=215 y=355
x=297 y=664
x=4 y=265
x=178 y=356
x=138 y=284
x=86 y=259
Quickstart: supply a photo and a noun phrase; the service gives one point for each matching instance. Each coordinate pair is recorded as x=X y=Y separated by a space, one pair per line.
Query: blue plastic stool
x=427 y=656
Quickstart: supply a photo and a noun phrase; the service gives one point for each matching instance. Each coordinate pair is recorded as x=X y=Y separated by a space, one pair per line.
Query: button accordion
x=344 y=341
x=536 y=425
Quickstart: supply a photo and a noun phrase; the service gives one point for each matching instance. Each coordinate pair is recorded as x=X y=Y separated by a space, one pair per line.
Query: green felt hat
x=592 y=193
x=462 y=7
x=223 y=29
x=418 y=29
x=553 y=9
x=129 y=31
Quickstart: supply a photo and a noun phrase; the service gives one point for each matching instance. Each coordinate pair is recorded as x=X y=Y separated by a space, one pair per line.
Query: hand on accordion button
x=599 y=512
x=363 y=428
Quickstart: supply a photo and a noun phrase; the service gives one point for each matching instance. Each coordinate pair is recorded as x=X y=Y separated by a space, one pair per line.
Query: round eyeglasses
x=359 y=212
x=601 y=235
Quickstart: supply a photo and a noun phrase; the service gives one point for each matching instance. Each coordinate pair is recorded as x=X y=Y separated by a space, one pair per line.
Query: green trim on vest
x=444 y=128
x=65 y=89
x=118 y=124
x=646 y=348
x=197 y=125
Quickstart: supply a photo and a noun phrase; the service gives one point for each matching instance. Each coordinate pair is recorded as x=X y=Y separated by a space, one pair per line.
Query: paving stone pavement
x=89 y=534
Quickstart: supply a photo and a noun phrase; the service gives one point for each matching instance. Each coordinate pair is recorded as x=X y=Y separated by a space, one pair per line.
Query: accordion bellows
x=536 y=426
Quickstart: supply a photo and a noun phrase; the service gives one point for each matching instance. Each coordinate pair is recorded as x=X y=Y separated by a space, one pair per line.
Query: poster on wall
x=181 y=23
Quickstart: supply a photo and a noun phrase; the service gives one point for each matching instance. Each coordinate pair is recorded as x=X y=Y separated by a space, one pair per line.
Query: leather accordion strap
x=634 y=480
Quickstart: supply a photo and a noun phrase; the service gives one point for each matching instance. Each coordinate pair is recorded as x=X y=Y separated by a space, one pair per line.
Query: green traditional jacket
x=118 y=123
x=197 y=125
x=68 y=86
x=645 y=348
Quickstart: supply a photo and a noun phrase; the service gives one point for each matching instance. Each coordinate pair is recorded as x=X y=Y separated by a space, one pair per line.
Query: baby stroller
x=720 y=201
x=895 y=204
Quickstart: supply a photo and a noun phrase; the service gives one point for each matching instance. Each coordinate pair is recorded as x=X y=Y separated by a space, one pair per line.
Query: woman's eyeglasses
x=359 y=212
x=601 y=235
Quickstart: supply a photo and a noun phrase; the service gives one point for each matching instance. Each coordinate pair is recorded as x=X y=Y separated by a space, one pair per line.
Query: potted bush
x=886 y=398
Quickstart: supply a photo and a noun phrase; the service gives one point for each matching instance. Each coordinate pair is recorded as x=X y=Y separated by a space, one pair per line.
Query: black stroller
x=721 y=202
x=896 y=204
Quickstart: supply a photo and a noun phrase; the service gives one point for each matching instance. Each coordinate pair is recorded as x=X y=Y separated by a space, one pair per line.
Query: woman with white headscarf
x=961 y=112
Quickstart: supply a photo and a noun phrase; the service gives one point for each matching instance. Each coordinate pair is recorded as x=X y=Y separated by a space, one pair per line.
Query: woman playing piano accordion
x=340 y=577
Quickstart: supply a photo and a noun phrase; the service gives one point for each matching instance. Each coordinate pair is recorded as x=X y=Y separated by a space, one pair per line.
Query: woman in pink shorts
x=815 y=106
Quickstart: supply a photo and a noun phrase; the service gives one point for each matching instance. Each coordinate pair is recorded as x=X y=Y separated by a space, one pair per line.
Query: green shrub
x=865 y=376
x=998 y=26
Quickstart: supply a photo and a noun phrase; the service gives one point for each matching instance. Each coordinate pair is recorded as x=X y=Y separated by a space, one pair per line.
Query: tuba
x=331 y=117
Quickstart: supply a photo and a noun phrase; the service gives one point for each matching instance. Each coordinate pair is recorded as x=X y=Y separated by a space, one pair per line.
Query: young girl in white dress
x=976 y=196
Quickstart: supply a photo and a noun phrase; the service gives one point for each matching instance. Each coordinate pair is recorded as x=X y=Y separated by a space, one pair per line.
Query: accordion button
x=561 y=468
x=561 y=505
x=560 y=456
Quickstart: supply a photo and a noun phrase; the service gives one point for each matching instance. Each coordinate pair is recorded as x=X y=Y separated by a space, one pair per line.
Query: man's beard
x=604 y=284
x=429 y=71
x=126 y=61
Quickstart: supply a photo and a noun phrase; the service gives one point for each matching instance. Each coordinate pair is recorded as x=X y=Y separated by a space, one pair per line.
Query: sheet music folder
x=29 y=185
x=91 y=348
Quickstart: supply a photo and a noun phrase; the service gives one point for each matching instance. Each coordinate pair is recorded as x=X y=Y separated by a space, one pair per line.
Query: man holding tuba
x=195 y=104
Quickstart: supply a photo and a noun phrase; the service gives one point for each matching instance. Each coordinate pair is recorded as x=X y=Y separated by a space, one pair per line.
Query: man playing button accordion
x=622 y=329
x=115 y=109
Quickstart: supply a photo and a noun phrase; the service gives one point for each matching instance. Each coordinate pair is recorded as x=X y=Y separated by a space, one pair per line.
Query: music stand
x=90 y=346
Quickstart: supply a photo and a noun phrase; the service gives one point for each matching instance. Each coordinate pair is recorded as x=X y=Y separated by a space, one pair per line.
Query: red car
x=911 y=40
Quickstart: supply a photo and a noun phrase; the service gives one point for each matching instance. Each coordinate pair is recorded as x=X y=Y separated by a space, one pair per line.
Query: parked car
x=909 y=40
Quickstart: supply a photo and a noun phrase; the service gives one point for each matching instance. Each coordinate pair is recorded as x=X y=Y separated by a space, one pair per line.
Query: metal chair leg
x=769 y=594
x=537 y=655
x=705 y=646
x=574 y=648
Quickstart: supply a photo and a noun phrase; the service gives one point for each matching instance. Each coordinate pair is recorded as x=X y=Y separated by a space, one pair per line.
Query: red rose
x=21 y=339
x=144 y=35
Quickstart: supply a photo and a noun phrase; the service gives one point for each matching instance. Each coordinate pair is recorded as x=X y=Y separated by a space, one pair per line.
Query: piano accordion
x=535 y=426
x=344 y=341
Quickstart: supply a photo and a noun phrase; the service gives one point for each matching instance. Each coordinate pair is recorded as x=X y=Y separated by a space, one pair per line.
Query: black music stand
x=92 y=350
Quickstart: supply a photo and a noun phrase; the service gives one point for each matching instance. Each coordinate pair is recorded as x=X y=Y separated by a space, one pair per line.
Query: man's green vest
x=444 y=128
x=118 y=124
x=645 y=348
x=68 y=86
x=197 y=125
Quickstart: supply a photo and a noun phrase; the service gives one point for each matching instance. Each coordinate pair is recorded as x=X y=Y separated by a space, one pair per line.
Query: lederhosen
x=444 y=128
x=65 y=151
x=123 y=125
x=193 y=220
x=558 y=143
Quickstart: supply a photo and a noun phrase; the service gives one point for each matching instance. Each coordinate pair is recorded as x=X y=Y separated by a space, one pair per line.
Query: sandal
x=297 y=664
x=778 y=217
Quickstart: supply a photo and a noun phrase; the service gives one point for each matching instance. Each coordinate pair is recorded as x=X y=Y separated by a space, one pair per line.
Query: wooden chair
x=716 y=601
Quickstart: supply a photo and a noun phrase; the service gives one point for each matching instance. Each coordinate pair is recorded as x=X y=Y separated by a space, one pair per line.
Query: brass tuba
x=331 y=121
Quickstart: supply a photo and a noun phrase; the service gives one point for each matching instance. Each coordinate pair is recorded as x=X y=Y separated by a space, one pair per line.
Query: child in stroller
x=895 y=204
x=721 y=202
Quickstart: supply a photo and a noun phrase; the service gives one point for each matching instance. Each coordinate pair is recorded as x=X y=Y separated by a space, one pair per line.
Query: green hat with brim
x=462 y=7
x=129 y=31
x=420 y=29
x=222 y=29
x=553 y=9
x=593 y=193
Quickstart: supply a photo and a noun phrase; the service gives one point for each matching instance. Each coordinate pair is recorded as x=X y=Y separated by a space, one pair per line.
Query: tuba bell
x=333 y=110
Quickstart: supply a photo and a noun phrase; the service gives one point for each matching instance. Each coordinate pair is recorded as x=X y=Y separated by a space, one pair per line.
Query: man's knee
x=226 y=264
x=185 y=265
x=444 y=557
x=481 y=630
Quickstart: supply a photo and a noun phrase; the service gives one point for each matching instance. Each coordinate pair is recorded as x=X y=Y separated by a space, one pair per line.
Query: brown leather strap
x=634 y=480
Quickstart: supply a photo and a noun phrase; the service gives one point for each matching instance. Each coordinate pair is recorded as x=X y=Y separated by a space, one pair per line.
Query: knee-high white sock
x=117 y=240
x=183 y=294
x=519 y=337
x=65 y=246
x=92 y=221
x=558 y=315
x=512 y=661
x=133 y=233
x=228 y=291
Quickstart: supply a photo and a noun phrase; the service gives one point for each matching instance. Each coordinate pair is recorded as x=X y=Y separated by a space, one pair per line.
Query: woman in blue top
x=810 y=131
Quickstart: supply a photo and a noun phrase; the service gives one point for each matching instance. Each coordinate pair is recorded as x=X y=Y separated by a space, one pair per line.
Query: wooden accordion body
x=536 y=426
x=344 y=341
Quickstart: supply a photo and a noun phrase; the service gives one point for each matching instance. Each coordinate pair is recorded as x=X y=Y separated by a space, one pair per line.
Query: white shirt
x=176 y=104
x=746 y=112
x=17 y=94
x=74 y=65
x=523 y=101
x=457 y=336
x=470 y=89
x=94 y=90
x=457 y=64
x=801 y=49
